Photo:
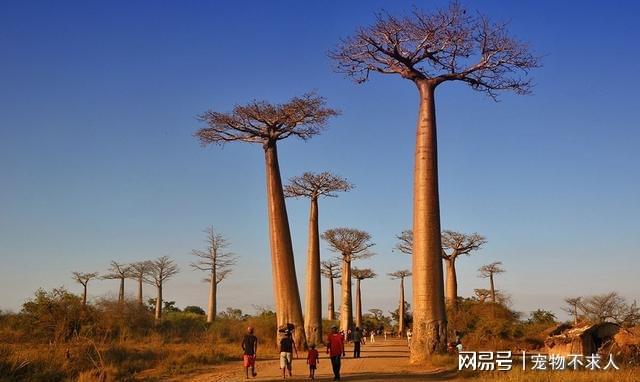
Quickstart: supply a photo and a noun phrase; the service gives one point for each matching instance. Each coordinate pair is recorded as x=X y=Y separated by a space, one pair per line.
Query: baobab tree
x=405 y=242
x=118 y=271
x=314 y=186
x=265 y=123
x=487 y=271
x=482 y=294
x=359 y=275
x=401 y=275
x=330 y=270
x=573 y=303
x=160 y=270
x=351 y=244
x=457 y=244
x=138 y=271
x=83 y=279
x=430 y=49
x=217 y=262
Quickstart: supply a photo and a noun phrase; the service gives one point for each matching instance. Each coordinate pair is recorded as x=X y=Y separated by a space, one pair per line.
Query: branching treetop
x=489 y=269
x=362 y=273
x=460 y=243
x=405 y=242
x=312 y=185
x=263 y=122
x=351 y=243
x=214 y=258
x=83 y=278
x=399 y=274
x=445 y=45
x=330 y=269
x=139 y=270
x=118 y=271
x=161 y=269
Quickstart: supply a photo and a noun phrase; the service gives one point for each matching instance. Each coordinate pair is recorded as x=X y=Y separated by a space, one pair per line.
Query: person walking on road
x=250 y=348
x=335 y=349
x=313 y=359
x=287 y=348
x=357 y=341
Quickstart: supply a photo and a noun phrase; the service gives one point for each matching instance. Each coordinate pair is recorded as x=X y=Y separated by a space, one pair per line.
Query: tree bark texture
x=346 y=307
x=493 y=289
x=121 y=291
x=401 y=314
x=358 y=305
x=287 y=295
x=452 y=283
x=140 y=281
x=331 y=314
x=213 y=289
x=159 y=303
x=429 y=315
x=84 y=295
x=313 y=300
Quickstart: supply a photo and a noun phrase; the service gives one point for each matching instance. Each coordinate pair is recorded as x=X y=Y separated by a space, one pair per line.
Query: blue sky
x=98 y=162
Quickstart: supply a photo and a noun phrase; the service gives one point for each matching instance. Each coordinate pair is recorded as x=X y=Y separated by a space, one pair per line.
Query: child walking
x=313 y=359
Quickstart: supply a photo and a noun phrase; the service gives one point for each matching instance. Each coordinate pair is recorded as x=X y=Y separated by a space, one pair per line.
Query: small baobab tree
x=401 y=275
x=405 y=242
x=264 y=123
x=481 y=294
x=314 y=186
x=351 y=244
x=160 y=270
x=430 y=49
x=217 y=262
x=456 y=244
x=331 y=270
x=573 y=304
x=138 y=271
x=488 y=271
x=118 y=271
x=83 y=279
x=359 y=275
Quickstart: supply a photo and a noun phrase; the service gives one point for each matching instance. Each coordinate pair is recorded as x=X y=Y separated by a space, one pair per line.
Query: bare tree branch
x=214 y=259
x=397 y=275
x=330 y=269
x=162 y=269
x=313 y=185
x=460 y=243
x=84 y=278
x=351 y=243
x=362 y=273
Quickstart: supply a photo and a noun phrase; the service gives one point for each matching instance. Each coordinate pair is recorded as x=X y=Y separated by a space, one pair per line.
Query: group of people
x=335 y=350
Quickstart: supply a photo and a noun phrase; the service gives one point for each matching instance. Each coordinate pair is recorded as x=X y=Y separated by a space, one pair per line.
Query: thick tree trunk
x=313 y=300
x=452 y=283
x=140 y=291
x=401 y=328
x=159 y=303
x=213 y=289
x=575 y=315
x=285 y=284
x=358 y=305
x=429 y=315
x=493 y=289
x=84 y=295
x=121 y=291
x=332 y=308
x=346 y=307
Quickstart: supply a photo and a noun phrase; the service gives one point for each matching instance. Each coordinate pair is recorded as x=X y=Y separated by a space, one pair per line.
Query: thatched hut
x=584 y=339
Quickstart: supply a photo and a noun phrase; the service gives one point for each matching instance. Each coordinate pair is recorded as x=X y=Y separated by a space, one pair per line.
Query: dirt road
x=380 y=361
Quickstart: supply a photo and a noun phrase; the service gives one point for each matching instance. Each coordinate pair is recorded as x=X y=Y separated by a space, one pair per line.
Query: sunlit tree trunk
x=121 y=291
x=140 y=281
x=213 y=289
x=493 y=289
x=452 y=283
x=332 y=308
x=429 y=316
x=358 y=304
x=346 y=307
x=287 y=295
x=401 y=309
x=313 y=300
x=159 y=303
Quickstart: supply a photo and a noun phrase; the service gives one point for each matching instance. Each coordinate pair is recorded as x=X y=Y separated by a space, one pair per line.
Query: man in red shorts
x=250 y=347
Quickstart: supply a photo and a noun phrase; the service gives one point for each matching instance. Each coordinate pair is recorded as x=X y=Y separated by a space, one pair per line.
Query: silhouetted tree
x=314 y=186
x=610 y=307
x=429 y=49
x=217 y=262
x=118 y=271
x=265 y=123
x=83 y=279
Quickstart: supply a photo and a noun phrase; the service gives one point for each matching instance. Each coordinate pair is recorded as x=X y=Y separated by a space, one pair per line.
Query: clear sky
x=98 y=163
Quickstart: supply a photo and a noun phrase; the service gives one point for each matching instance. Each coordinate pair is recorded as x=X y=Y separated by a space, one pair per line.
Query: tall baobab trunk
x=121 y=291
x=313 y=300
x=429 y=315
x=358 y=304
x=332 y=307
x=285 y=284
x=493 y=289
x=213 y=289
x=159 y=303
x=84 y=295
x=401 y=309
x=346 y=307
x=140 y=281
x=575 y=315
x=452 y=283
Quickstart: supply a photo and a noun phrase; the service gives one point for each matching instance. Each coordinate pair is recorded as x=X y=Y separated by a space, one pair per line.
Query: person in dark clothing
x=335 y=349
x=287 y=347
x=357 y=341
x=250 y=348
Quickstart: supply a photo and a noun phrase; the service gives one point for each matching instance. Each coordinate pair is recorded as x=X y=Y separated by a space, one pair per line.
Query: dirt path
x=380 y=361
